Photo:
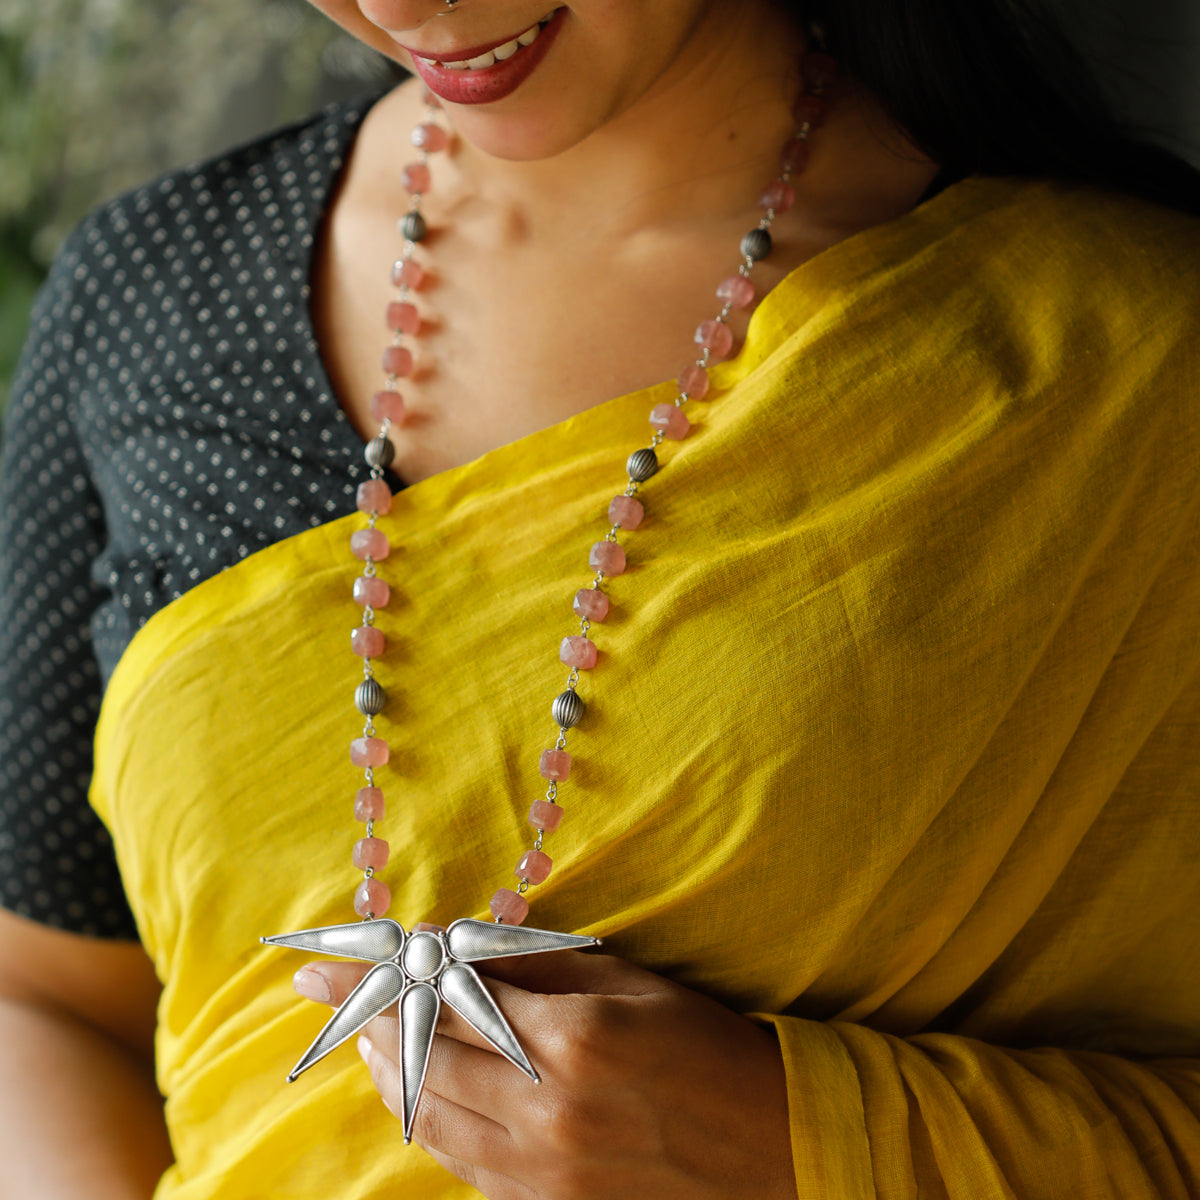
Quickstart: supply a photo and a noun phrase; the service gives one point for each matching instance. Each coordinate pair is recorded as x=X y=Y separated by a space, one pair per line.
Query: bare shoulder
x=109 y=985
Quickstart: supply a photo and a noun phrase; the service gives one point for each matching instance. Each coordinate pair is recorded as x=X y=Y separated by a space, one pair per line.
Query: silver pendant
x=421 y=970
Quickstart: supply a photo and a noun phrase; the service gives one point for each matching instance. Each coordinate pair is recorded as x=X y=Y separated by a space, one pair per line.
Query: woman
x=883 y=801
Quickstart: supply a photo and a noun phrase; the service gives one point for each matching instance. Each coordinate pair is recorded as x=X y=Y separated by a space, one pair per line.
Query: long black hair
x=994 y=87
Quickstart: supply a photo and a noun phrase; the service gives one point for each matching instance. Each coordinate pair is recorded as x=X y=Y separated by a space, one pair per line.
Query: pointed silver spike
x=419 y=1009
x=467 y=994
x=473 y=941
x=378 y=990
x=373 y=941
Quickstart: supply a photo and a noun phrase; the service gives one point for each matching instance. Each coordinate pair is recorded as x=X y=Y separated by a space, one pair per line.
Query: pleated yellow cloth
x=894 y=738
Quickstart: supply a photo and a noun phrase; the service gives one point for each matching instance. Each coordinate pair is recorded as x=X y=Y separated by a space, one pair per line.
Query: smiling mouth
x=481 y=60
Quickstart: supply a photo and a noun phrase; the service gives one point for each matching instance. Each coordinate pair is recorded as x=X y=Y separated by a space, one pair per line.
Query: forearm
x=80 y=1116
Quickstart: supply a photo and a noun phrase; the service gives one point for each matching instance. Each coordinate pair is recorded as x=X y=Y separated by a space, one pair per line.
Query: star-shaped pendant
x=420 y=970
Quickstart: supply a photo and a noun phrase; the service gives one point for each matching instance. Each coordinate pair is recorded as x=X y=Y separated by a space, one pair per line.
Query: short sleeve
x=57 y=864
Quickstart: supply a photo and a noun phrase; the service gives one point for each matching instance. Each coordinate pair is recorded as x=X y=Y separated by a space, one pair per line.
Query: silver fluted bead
x=379 y=452
x=756 y=245
x=642 y=465
x=414 y=227
x=369 y=698
x=567 y=709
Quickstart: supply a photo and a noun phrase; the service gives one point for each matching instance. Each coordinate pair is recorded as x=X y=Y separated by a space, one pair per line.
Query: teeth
x=530 y=36
x=453 y=66
x=507 y=50
x=484 y=60
x=500 y=53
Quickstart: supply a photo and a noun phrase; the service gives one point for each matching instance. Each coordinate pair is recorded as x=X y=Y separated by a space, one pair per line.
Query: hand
x=649 y=1091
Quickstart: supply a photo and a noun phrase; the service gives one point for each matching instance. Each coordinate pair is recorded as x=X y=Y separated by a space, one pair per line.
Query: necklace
x=423 y=968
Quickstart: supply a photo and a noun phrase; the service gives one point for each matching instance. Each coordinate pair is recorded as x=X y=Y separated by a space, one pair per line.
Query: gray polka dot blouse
x=170 y=416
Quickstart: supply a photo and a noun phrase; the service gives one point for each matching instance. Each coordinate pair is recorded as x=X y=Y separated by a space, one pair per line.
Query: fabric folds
x=894 y=738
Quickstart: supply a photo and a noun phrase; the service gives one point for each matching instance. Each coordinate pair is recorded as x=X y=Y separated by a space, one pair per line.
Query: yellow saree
x=894 y=739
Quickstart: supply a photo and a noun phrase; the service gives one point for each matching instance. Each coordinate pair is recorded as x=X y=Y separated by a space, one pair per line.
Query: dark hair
x=994 y=87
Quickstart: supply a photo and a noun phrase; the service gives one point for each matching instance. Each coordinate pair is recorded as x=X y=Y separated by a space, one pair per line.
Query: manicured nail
x=311 y=984
x=364 y=1048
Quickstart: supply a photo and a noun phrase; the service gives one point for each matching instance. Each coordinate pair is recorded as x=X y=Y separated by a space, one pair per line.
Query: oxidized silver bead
x=414 y=227
x=379 y=452
x=642 y=465
x=756 y=245
x=370 y=698
x=567 y=709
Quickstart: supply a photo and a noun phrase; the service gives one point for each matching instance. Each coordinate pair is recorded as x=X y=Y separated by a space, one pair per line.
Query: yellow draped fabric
x=894 y=738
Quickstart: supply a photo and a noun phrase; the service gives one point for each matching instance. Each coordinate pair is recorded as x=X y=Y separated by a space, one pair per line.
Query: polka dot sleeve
x=56 y=860
x=171 y=416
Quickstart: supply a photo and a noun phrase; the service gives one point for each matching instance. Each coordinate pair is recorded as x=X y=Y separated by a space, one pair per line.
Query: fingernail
x=311 y=984
x=364 y=1048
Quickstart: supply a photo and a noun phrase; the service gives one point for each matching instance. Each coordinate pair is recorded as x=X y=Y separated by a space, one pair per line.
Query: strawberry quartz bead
x=430 y=137
x=369 y=752
x=670 y=421
x=545 y=816
x=508 y=907
x=403 y=317
x=693 y=381
x=607 y=557
x=369 y=543
x=374 y=496
x=388 y=406
x=367 y=642
x=371 y=590
x=736 y=290
x=369 y=805
x=795 y=155
x=810 y=111
x=372 y=896
x=407 y=272
x=534 y=866
x=591 y=602
x=554 y=764
x=578 y=652
x=398 y=360
x=716 y=336
x=626 y=512
x=777 y=196
x=370 y=852
x=818 y=71
x=415 y=179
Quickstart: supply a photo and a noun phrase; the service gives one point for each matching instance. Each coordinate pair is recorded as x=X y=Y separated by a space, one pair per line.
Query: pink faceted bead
x=591 y=602
x=369 y=805
x=403 y=317
x=430 y=100
x=795 y=156
x=626 y=512
x=416 y=178
x=736 y=290
x=545 y=816
x=369 y=543
x=388 y=406
x=779 y=196
x=372 y=896
x=370 y=852
x=716 y=336
x=367 y=641
x=534 y=865
x=430 y=137
x=810 y=111
x=554 y=764
x=369 y=752
x=371 y=590
x=578 y=652
x=694 y=381
x=374 y=496
x=509 y=907
x=607 y=557
x=398 y=360
x=407 y=272
x=670 y=421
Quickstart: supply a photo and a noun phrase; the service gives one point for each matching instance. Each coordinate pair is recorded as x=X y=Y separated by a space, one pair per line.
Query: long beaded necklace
x=423 y=968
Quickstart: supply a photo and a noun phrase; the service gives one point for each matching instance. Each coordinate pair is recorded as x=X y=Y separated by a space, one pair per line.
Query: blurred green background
x=99 y=95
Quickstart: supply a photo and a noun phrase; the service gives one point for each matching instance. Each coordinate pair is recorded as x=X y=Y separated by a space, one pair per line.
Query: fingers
x=328 y=982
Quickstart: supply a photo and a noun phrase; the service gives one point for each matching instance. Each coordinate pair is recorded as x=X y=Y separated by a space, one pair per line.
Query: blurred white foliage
x=99 y=95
